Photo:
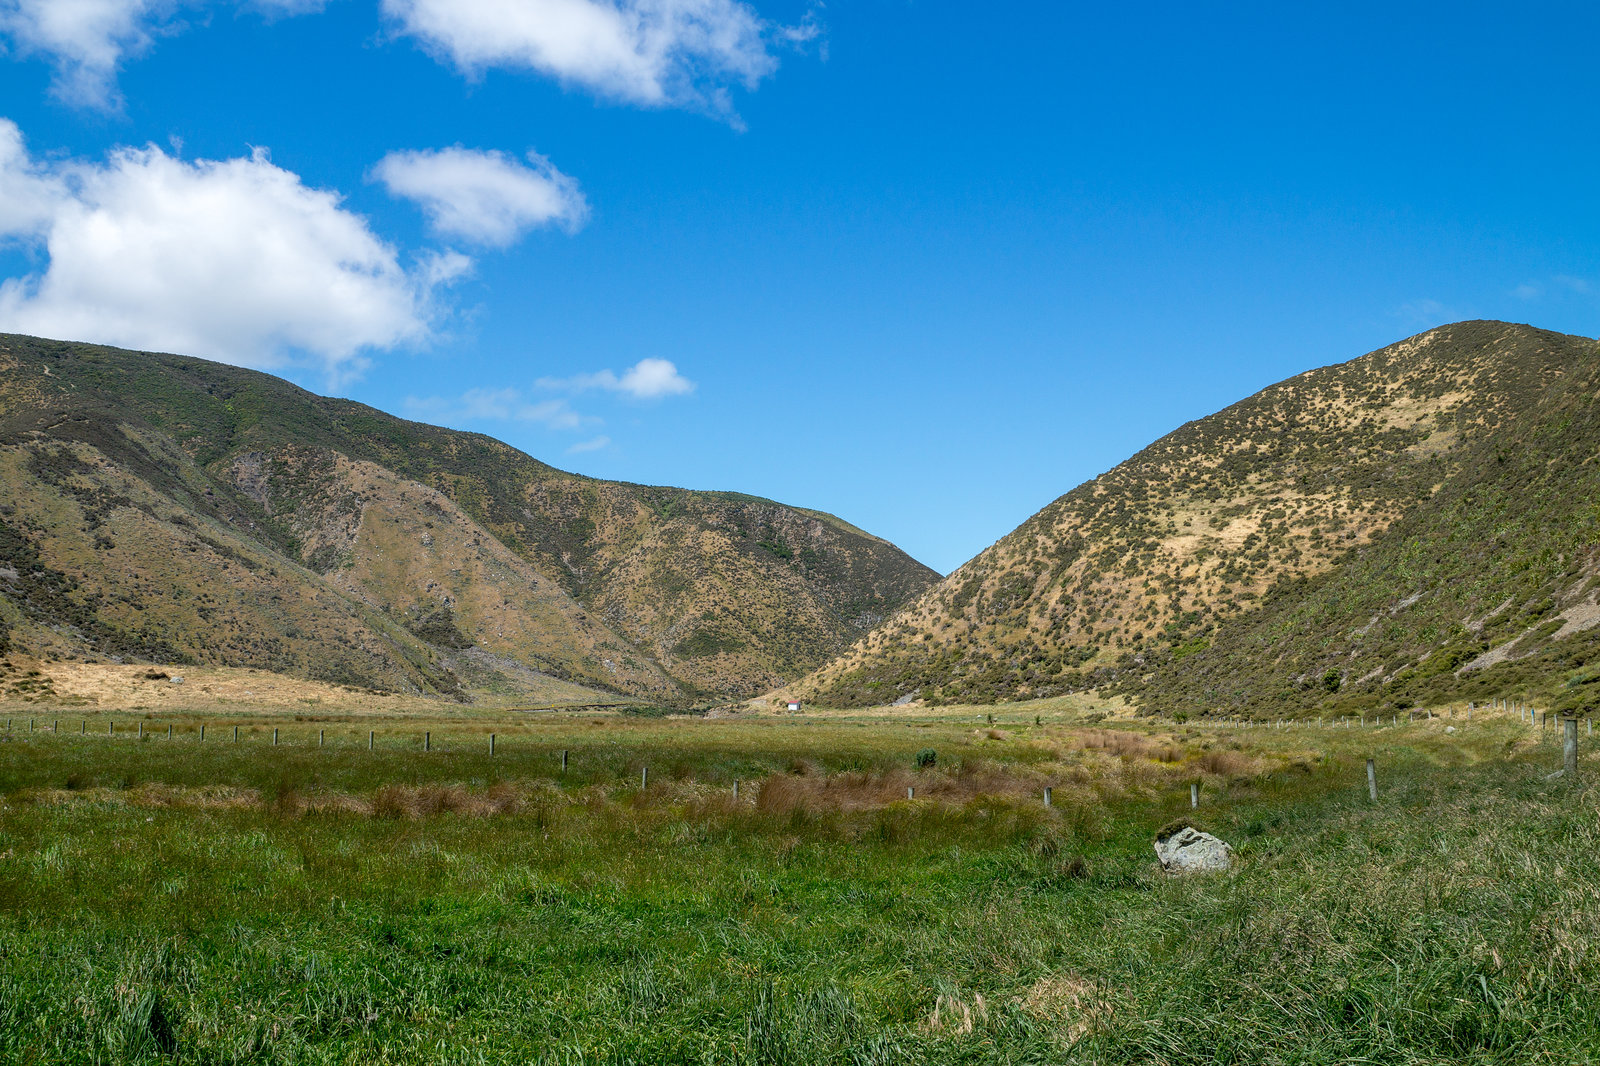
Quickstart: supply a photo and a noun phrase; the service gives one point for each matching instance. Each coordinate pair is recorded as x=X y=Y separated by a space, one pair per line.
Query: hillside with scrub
x=157 y=508
x=1415 y=524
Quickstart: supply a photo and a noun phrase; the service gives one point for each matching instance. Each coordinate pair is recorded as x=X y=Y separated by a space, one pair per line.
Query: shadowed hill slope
x=1353 y=536
x=361 y=548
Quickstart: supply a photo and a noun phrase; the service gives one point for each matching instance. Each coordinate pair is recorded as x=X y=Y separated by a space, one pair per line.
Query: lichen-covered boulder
x=1190 y=851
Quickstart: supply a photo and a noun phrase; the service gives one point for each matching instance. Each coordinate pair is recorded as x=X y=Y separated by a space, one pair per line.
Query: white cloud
x=29 y=193
x=648 y=379
x=234 y=259
x=497 y=405
x=589 y=446
x=87 y=40
x=487 y=198
x=652 y=52
x=652 y=378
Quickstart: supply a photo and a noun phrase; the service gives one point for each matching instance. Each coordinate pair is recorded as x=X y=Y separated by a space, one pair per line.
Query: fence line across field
x=1528 y=715
x=1525 y=714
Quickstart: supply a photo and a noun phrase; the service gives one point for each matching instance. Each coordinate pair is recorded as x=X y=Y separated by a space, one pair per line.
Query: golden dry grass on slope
x=1199 y=527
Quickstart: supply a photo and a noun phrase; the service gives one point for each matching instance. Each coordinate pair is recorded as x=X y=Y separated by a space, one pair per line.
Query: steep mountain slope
x=358 y=547
x=1241 y=559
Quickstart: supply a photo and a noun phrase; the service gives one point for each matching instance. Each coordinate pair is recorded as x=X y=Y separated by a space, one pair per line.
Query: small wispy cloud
x=484 y=198
x=498 y=405
x=1424 y=312
x=1555 y=287
x=648 y=379
x=86 y=41
x=589 y=445
x=653 y=53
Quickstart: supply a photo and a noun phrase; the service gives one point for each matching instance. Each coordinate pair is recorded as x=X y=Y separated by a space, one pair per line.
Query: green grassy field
x=180 y=901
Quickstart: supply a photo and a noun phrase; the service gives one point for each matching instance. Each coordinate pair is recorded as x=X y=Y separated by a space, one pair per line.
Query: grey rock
x=1190 y=851
x=176 y=679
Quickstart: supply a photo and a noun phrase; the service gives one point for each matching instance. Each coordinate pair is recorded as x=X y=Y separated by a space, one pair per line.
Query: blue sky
x=927 y=266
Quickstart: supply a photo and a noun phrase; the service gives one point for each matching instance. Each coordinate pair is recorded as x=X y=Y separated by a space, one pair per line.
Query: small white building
x=794 y=705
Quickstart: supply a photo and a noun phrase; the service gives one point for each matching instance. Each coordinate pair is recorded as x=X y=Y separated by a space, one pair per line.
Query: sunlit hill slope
x=161 y=508
x=1418 y=522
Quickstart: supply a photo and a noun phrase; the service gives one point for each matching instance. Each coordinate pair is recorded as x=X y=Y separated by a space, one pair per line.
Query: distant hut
x=794 y=705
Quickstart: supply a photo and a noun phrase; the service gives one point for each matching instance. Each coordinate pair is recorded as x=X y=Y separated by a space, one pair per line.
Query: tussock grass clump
x=1224 y=763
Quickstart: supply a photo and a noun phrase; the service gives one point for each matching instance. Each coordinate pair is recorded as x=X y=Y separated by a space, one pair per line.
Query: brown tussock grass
x=1226 y=763
x=1130 y=745
x=415 y=803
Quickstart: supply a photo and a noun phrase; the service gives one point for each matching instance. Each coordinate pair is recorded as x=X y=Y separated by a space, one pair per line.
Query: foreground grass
x=188 y=903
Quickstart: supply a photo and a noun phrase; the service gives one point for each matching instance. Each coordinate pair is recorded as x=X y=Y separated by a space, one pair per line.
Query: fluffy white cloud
x=652 y=52
x=652 y=378
x=87 y=40
x=648 y=379
x=28 y=192
x=486 y=198
x=235 y=259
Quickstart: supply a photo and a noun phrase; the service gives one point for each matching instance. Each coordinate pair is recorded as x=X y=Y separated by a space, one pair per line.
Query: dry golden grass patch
x=956 y=1017
x=1078 y=1005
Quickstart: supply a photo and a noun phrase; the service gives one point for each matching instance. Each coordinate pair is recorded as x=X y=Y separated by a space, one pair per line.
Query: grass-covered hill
x=1420 y=522
x=157 y=507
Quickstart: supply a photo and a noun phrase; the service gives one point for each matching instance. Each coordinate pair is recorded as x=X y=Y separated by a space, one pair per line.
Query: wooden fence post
x=1194 y=795
x=1569 y=749
x=169 y=730
x=1372 y=781
x=427 y=740
x=141 y=729
x=491 y=744
x=563 y=760
x=736 y=791
x=910 y=792
x=274 y=736
x=236 y=734
x=322 y=737
x=644 y=777
x=202 y=732
x=1049 y=795
x=372 y=736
